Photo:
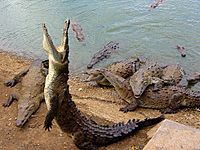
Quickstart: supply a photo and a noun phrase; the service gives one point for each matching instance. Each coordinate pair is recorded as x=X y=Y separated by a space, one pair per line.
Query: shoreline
x=100 y=104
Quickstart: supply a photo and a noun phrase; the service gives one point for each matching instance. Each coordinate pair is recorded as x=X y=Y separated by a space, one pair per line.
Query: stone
x=174 y=136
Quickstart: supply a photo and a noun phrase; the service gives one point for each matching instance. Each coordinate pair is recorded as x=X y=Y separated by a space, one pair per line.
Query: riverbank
x=101 y=104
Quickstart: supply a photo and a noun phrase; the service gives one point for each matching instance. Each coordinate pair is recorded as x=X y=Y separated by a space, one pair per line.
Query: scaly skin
x=142 y=73
x=87 y=134
x=167 y=99
x=103 y=53
x=31 y=93
x=152 y=73
x=145 y=76
x=125 y=69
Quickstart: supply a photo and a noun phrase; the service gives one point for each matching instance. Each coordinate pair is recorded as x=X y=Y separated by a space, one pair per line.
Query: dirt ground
x=101 y=104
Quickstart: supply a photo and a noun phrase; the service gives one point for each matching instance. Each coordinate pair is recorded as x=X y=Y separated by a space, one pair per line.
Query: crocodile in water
x=87 y=134
x=103 y=53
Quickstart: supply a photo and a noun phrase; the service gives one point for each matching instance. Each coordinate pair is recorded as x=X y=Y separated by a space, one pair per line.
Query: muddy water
x=139 y=30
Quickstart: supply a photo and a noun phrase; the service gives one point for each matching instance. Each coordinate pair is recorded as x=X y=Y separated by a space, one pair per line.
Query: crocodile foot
x=10 y=83
x=11 y=98
x=47 y=124
x=129 y=107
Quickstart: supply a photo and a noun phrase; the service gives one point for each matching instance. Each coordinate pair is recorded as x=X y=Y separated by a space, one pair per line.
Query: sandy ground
x=101 y=104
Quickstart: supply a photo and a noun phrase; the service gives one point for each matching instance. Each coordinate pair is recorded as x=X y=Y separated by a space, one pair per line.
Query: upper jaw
x=58 y=54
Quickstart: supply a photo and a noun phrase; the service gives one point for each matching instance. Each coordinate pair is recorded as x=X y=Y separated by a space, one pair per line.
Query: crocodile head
x=139 y=87
x=145 y=77
x=25 y=111
x=56 y=54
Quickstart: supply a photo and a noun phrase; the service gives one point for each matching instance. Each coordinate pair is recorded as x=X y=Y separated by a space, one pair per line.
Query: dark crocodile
x=156 y=3
x=181 y=50
x=87 y=134
x=103 y=53
x=31 y=92
x=167 y=99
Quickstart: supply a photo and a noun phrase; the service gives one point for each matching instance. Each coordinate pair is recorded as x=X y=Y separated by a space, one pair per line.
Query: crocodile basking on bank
x=31 y=92
x=124 y=68
x=142 y=73
x=167 y=99
x=87 y=134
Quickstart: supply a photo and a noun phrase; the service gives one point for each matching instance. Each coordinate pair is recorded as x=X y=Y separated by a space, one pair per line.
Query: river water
x=139 y=30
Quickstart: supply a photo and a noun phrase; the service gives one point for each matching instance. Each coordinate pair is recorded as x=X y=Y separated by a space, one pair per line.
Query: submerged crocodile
x=31 y=92
x=87 y=134
x=167 y=99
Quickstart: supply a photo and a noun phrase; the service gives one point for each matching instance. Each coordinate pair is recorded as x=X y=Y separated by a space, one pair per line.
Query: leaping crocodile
x=31 y=92
x=87 y=134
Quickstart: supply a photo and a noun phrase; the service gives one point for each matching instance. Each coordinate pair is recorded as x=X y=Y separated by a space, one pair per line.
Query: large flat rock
x=174 y=136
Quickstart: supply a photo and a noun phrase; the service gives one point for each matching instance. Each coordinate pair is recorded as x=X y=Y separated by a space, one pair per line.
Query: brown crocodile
x=87 y=134
x=124 y=68
x=31 y=92
x=159 y=76
x=78 y=30
x=148 y=74
x=167 y=99
x=108 y=49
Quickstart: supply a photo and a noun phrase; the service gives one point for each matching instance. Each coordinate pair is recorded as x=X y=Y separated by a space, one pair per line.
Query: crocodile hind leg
x=11 y=98
x=173 y=104
x=16 y=79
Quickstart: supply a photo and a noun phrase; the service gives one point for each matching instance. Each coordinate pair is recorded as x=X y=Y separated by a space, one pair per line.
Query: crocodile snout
x=19 y=123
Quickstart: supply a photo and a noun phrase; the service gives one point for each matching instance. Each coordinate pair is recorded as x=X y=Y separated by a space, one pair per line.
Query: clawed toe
x=9 y=83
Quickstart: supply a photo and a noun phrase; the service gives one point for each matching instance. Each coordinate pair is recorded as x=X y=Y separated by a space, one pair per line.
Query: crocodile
x=106 y=52
x=168 y=99
x=156 y=3
x=124 y=68
x=159 y=76
x=78 y=30
x=31 y=92
x=148 y=74
x=87 y=134
x=181 y=50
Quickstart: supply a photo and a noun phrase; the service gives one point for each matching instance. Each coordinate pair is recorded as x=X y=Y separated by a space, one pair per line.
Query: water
x=139 y=31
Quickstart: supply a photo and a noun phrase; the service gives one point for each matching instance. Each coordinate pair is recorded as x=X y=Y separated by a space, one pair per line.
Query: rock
x=174 y=136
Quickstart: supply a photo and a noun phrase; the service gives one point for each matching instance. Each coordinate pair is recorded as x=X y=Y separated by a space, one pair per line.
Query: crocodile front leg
x=11 y=98
x=130 y=107
x=51 y=113
x=16 y=79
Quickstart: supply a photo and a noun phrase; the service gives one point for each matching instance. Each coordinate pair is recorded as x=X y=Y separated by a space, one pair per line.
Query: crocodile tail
x=107 y=134
x=151 y=121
